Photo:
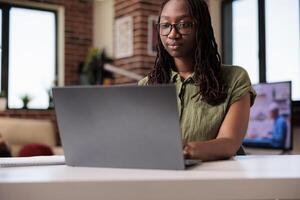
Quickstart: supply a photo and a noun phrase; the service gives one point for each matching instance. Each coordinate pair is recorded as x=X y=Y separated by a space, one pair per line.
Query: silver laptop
x=120 y=126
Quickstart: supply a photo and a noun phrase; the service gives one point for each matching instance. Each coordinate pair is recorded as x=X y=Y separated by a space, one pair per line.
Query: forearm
x=230 y=135
x=216 y=149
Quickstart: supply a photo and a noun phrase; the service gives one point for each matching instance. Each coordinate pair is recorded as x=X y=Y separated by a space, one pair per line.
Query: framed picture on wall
x=124 y=37
x=152 y=35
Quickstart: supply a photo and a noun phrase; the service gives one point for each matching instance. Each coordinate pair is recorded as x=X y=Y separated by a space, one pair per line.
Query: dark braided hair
x=207 y=60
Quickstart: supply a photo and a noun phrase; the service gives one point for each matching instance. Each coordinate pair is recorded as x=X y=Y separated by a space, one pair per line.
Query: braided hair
x=207 y=68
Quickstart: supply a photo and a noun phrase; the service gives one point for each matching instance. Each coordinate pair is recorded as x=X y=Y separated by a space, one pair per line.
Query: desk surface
x=243 y=177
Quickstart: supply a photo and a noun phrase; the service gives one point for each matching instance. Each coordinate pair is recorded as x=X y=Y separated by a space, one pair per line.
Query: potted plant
x=93 y=72
x=25 y=99
x=3 y=101
x=51 y=102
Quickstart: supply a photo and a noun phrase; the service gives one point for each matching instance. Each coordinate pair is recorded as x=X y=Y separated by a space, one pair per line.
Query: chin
x=176 y=54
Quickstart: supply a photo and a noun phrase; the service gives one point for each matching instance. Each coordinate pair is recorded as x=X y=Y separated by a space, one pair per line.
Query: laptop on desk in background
x=120 y=126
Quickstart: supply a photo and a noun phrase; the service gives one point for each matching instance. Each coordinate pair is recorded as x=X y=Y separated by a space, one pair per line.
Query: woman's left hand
x=190 y=150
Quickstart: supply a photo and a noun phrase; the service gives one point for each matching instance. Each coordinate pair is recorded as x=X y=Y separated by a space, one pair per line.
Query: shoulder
x=233 y=75
x=232 y=72
x=280 y=123
x=281 y=119
x=143 y=81
x=237 y=82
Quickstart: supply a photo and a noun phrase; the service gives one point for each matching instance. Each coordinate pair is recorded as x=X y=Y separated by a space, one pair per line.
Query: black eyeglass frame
x=176 y=28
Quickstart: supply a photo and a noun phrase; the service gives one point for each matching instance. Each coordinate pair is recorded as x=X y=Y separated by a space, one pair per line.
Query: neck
x=185 y=67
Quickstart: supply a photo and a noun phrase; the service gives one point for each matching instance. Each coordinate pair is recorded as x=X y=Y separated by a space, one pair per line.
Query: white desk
x=245 y=177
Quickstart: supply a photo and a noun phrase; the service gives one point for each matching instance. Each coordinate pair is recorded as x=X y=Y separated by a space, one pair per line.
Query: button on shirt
x=199 y=120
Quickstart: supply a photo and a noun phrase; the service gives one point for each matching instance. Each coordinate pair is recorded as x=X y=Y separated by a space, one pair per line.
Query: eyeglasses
x=184 y=28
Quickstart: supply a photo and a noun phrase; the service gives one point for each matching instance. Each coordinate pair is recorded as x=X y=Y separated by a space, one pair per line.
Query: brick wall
x=78 y=40
x=140 y=62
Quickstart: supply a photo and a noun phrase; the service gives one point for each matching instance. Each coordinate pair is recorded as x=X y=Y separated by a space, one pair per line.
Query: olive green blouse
x=199 y=120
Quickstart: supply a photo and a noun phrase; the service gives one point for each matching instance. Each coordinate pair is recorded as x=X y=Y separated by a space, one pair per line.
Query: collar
x=176 y=77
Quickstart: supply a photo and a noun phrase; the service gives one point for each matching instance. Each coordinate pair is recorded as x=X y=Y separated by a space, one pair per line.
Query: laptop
x=126 y=126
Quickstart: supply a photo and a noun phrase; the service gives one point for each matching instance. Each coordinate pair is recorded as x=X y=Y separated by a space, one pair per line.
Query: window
x=282 y=43
x=263 y=37
x=31 y=54
x=245 y=37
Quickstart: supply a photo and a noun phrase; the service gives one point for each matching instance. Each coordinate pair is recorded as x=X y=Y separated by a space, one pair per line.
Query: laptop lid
x=120 y=126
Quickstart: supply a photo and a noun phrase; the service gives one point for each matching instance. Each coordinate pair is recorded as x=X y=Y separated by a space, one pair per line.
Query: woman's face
x=181 y=41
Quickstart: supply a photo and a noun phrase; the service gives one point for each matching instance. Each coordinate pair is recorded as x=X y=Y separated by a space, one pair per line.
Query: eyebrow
x=178 y=17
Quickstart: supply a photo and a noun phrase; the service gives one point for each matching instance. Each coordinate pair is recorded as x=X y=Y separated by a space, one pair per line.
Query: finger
x=186 y=154
x=184 y=143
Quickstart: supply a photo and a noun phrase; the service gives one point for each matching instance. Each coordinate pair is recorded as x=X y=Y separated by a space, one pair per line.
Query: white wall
x=103 y=35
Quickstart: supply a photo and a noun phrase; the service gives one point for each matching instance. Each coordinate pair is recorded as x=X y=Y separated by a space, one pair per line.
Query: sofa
x=18 y=132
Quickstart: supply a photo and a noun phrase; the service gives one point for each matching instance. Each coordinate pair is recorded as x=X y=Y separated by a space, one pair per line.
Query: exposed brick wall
x=78 y=40
x=140 y=62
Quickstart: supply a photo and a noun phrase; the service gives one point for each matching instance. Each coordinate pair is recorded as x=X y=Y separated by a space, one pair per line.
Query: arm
x=230 y=135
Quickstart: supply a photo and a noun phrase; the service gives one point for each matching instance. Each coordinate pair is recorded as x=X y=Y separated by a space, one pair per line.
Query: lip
x=174 y=46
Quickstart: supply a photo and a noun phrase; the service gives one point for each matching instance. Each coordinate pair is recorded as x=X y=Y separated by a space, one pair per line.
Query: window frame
x=226 y=27
x=6 y=6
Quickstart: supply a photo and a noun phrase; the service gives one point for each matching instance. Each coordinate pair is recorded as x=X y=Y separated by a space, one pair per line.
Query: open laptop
x=120 y=126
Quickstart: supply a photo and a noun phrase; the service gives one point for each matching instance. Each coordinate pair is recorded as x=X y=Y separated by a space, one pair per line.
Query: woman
x=213 y=100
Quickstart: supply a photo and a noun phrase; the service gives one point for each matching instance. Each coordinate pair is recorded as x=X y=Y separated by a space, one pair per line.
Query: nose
x=174 y=33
